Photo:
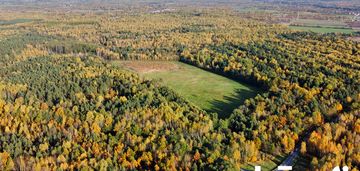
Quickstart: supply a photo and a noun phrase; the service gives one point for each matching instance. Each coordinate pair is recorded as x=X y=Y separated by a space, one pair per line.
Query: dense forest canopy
x=63 y=106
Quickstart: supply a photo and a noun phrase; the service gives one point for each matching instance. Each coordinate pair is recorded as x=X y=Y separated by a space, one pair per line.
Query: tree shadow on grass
x=225 y=107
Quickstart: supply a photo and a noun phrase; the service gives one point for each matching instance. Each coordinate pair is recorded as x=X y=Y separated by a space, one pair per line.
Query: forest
x=65 y=106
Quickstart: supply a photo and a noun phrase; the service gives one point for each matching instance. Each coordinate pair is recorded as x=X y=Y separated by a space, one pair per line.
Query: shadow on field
x=225 y=107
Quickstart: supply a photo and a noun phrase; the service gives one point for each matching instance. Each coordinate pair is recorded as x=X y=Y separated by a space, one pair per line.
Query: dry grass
x=144 y=67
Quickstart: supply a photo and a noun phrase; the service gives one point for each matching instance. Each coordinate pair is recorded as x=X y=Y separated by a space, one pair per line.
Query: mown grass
x=209 y=91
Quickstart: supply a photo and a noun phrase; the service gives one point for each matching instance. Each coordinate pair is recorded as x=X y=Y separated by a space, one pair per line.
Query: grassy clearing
x=211 y=92
x=266 y=165
x=323 y=29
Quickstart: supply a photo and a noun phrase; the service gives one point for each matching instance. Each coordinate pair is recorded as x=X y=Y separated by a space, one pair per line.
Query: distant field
x=320 y=23
x=16 y=21
x=320 y=26
x=211 y=92
x=323 y=29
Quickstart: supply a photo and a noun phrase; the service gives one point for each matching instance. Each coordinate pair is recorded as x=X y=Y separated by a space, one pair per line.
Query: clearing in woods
x=209 y=91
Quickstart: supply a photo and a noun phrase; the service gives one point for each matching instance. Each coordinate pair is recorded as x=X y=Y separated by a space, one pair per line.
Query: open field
x=266 y=165
x=321 y=26
x=209 y=91
x=323 y=29
x=319 y=23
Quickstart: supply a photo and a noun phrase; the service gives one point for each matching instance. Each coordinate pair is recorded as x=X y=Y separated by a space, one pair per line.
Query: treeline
x=336 y=143
x=155 y=36
x=311 y=79
x=80 y=113
x=13 y=45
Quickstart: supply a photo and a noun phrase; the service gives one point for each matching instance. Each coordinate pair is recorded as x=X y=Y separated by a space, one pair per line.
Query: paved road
x=291 y=158
x=289 y=161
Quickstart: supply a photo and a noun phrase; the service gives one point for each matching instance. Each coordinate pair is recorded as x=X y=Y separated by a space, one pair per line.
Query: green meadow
x=209 y=91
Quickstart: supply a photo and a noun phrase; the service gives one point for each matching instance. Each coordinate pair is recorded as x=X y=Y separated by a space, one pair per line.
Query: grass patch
x=266 y=165
x=209 y=91
x=15 y=21
x=323 y=29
